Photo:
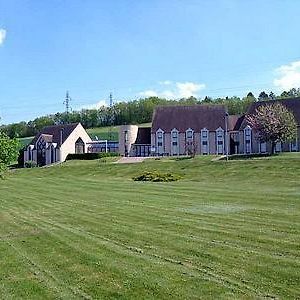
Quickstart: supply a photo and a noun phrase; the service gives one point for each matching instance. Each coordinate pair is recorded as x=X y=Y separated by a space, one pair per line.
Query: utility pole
x=67 y=105
x=111 y=116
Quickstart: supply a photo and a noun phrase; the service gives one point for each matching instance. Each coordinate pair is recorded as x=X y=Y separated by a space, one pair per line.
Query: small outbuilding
x=53 y=144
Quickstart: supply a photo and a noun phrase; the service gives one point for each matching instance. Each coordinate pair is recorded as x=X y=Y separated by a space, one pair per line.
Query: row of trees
x=133 y=112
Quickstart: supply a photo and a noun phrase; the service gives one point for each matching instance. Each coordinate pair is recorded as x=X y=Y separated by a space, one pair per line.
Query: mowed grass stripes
x=85 y=230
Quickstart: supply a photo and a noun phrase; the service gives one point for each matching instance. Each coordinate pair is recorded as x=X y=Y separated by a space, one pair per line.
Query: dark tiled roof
x=292 y=105
x=47 y=137
x=55 y=132
x=182 y=118
x=234 y=122
x=143 y=135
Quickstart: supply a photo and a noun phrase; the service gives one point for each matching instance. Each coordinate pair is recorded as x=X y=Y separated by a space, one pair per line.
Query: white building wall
x=68 y=147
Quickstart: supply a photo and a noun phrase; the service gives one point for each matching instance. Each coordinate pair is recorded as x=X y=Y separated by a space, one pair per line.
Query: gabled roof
x=53 y=133
x=195 y=117
x=292 y=105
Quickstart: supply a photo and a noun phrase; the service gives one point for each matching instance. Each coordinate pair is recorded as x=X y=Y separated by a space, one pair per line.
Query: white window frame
x=204 y=148
x=246 y=130
x=160 y=139
x=189 y=139
x=294 y=145
x=261 y=145
x=174 y=139
x=220 y=138
x=278 y=147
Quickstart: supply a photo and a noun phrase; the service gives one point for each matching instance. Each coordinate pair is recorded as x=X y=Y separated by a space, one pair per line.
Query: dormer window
x=248 y=139
x=174 y=142
x=220 y=140
x=204 y=141
x=190 y=134
x=160 y=141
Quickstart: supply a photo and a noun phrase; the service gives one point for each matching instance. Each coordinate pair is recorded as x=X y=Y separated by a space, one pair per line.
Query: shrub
x=30 y=164
x=155 y=176
x=91 y=156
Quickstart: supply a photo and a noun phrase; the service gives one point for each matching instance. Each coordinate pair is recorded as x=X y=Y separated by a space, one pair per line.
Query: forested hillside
x=132 y=112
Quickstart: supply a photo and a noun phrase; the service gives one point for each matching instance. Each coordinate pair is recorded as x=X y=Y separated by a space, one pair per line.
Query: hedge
x=91 y=156
x=156 y=176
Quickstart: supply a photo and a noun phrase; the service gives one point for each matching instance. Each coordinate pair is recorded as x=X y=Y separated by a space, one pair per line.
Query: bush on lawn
x=155 y=176
x=30 y=164
x=91 y=156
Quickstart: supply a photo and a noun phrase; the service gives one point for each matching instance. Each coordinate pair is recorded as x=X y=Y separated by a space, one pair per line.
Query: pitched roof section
x=195 y=117
x=292 y=105
x=56 y=131
x=143 y=135
x=234 y=122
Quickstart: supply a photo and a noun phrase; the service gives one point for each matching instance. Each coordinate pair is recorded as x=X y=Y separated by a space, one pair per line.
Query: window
x=278 y=147
x=126 y=136
x=189 y=134
x=174 y=142
x=204 y=141
x=41 y=152
x=248 y=139
x=294 y=145
x=79 y=146
x=220 y=140
x=160 y=141
x=263 y=147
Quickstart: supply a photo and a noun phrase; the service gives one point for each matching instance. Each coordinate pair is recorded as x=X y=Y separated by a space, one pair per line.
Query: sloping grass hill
x=85 y=229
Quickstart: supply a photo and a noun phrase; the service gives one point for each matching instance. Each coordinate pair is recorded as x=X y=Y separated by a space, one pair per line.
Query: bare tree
x=191 y=148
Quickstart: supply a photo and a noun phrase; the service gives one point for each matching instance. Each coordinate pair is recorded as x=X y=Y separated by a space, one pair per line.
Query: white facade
x=44 y=151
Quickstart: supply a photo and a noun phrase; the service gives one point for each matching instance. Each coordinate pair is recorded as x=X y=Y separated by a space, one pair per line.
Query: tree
x=273 y=123
x=191 y=148
x=8 y=151
x=272 y=96
x=263 y=96
x=284 y=94
x=250 y=95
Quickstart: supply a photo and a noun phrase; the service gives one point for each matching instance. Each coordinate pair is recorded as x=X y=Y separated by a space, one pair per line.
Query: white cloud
x=288 y=76
x=2 y=35
x=94 y=105
x=175 y=90
x=149 y=93
x=168 y=94
x=165 y=82
x=188 y=89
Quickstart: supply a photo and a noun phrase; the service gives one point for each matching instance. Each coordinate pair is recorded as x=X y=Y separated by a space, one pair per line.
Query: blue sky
x=143 y=47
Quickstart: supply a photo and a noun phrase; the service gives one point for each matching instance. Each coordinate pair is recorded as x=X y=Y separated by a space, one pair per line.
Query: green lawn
x=85 y=230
